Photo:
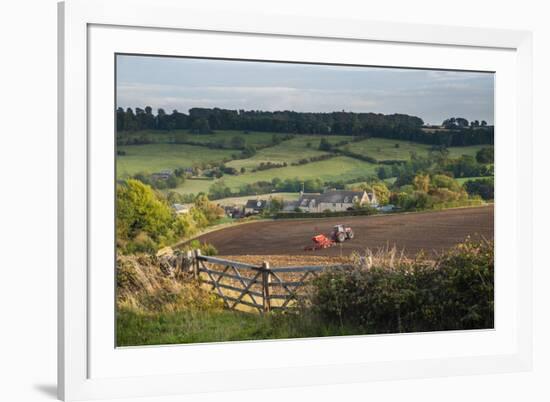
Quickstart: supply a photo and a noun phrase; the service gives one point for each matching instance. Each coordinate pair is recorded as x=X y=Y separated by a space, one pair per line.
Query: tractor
x=341 y=233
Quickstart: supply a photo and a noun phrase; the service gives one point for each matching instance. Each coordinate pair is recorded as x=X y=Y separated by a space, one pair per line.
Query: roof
x=163 y=173
x=306 y=199
x=332 y=196
x=340 y=196
x=372 y=197
x=255 y=204
x=289 y=206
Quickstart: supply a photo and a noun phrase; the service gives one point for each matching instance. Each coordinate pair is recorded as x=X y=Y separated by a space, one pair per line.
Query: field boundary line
x=215 y=228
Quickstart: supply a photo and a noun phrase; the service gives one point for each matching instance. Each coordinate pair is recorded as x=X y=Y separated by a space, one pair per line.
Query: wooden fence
x=258 y=287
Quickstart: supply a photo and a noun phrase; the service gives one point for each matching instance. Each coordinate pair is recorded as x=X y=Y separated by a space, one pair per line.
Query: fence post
x=196 y=265
x=266 y=279
x=189 y=262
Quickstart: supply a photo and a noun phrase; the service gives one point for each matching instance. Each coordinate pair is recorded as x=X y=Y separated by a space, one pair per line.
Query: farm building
x=182 y=209
x=335 y=200
x=254 y=206
x=289 y=206
x=163 y=175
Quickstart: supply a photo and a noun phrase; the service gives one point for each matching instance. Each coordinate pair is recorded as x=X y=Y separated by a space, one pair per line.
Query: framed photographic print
x=261 y=201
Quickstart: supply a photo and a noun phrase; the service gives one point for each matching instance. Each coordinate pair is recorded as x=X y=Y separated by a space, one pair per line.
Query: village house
x=336 y=200
x=182 y=209
x=289 y=206
x=162 y=175
x=254 y=206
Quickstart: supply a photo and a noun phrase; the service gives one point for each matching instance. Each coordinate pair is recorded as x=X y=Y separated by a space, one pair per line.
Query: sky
x=183 y=83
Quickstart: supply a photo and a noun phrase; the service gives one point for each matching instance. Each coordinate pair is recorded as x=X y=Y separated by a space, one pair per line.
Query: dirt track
x=429 y=231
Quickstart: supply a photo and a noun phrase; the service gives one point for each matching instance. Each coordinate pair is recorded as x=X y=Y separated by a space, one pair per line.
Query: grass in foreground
x=384 y=292
x=162 y=328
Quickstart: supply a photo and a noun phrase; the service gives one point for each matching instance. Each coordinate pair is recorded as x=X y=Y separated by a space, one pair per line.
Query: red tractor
x=341 y=233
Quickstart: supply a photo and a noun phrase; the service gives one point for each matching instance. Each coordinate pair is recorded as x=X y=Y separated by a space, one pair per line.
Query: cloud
x=181 y=84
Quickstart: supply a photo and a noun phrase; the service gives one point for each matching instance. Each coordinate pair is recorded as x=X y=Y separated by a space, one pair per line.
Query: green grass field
x=136 y=328
x=159 y=156
x=338 y=168
x=385 y=149
x=287 y=151
x=156 y=157
x=455 y=152
x=463 y=180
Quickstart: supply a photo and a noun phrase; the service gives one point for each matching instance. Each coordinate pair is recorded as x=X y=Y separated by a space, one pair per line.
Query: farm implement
x=339 y=234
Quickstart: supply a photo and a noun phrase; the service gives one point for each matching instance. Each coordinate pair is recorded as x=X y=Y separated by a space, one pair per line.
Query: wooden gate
x=260 y=287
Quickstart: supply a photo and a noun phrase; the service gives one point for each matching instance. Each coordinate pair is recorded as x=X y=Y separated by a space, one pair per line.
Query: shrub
x=485 y=155
x=324 y=145
x=453 y=293
x=208 y=249
x=485 y=188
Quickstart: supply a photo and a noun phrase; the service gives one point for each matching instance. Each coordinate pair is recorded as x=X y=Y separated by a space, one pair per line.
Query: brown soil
x=286 y=261
x=432 y=232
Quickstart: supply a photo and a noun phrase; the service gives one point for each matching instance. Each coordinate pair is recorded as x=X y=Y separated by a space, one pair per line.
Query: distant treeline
x=393 y=126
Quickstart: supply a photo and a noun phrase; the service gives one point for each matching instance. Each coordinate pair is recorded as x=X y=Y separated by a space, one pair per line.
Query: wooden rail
x=260 y=287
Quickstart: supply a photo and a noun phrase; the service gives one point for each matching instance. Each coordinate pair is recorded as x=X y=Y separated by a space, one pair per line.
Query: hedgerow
x=455 y=292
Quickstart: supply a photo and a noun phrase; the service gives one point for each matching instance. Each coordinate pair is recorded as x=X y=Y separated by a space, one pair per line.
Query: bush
x=205 y=248
x=454 y=293
x=485 y=155
x=485 y=188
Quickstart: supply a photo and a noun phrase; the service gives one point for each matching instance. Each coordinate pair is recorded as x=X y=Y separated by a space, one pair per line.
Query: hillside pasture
x=156 y=157
x=334 y=169
x=456 y=152
x=287 y=151
x=338 y=168
x=160 y=156
x=388 y=149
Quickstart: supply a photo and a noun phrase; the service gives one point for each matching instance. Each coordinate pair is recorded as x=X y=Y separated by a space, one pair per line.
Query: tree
x=276 y=205
x=219 y=190
x=449 y=123
x=249 y=151
x=324 y=145
x=120 y=119
x=162 y=120
x=421 y=182
x=142 y=214
x=148 y=119
x=443 y=181
x=485 y=188
x=130 y=123
x=461 y=122
x=382 y=192
x=211 y=211
x=383 y=172
x=201 y=126
x=238 y=142
x=485 y=155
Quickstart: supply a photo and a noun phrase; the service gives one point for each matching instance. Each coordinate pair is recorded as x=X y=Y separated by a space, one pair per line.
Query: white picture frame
x=90 y=32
